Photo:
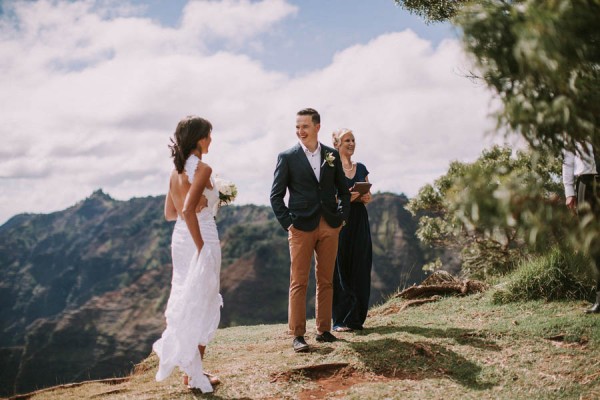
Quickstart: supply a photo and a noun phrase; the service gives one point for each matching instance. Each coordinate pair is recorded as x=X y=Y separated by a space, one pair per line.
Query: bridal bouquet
x=227 y=191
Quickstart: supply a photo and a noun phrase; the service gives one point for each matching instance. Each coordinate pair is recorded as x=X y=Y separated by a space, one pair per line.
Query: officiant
x=352 y=276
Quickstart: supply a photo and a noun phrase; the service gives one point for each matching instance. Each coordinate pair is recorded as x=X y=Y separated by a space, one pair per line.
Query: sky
x=91 y=91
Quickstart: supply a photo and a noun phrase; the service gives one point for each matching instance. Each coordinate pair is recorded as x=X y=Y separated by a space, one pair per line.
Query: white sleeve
x=568 y=173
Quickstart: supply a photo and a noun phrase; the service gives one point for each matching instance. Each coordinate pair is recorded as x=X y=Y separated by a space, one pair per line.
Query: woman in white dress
x=193 y=309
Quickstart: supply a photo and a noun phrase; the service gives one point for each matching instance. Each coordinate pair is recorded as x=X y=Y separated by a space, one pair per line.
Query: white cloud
x=235 y=20
x=90 y=101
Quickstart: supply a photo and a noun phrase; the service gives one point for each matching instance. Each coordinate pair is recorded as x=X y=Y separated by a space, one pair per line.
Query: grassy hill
x=456 y=348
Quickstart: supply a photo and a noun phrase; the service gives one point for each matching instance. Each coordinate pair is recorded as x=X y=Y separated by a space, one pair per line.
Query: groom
x=319 y=204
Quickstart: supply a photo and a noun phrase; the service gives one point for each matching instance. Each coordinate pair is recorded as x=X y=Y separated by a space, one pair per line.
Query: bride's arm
x=201 y=204
x=192 y=199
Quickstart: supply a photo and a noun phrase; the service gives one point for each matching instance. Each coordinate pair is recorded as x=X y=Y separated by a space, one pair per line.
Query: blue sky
x=92 y=91
x=308 y=40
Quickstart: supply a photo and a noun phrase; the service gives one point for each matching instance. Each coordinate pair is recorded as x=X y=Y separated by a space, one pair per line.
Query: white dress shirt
x=314 y=158
x=574 y=165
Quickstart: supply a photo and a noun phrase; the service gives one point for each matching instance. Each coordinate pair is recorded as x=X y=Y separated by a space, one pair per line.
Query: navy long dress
x=352 y=276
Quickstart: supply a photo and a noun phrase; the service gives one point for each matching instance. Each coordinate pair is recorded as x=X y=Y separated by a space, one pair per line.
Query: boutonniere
x=329 y=159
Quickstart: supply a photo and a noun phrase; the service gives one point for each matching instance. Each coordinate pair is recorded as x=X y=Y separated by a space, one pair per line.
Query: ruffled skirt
x=194 y=305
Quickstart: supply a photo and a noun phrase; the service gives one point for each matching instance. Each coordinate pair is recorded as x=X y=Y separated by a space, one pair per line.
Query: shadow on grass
x=322 y=350
x=215 y=396
x=467 y=337
x=396 y=359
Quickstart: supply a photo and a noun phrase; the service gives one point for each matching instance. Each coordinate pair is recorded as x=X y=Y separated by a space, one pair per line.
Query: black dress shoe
x=325 y=337
x=300 y=345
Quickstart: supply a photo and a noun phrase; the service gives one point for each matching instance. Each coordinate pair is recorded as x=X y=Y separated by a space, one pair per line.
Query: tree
x=542 y=59
x=433 y=10
x=495 y=210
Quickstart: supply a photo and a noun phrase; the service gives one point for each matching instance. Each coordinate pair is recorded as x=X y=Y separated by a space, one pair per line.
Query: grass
x=558 y=274
x=456 y=348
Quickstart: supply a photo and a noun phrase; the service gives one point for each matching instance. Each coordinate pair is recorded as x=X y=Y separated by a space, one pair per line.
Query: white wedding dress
x=194 y=306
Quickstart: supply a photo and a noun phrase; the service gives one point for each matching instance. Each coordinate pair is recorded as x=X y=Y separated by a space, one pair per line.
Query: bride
x=193 y=310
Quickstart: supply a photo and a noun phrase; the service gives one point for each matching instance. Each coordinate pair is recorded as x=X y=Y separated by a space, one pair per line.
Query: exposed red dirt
x=330 y=378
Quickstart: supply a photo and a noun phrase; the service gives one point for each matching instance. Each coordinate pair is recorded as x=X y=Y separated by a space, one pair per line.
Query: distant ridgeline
x=83 y=291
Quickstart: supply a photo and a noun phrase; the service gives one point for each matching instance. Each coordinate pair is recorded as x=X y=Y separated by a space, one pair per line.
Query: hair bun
x=337 y=136
x=335 y=139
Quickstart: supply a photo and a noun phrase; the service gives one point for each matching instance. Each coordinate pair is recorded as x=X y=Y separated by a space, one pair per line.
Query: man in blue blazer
x=319 y=203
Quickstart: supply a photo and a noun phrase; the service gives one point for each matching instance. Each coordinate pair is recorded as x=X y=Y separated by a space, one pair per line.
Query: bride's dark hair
x=189 y=130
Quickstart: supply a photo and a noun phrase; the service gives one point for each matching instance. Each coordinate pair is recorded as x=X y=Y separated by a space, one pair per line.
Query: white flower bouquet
x=227 y=191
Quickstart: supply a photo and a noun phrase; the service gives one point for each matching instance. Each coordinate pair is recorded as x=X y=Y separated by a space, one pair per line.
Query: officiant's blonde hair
x=338 y=135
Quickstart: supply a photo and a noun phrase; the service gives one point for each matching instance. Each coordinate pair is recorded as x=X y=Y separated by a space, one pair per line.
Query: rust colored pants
x=323 y=242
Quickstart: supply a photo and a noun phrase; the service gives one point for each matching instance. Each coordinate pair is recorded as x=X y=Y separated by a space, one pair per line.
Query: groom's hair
x=316 y=118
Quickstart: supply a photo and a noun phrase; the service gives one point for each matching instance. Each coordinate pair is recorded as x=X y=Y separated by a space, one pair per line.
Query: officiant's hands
x=366 y=198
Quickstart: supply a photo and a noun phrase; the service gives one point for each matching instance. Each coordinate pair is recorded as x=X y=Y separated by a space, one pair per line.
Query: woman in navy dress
x=352 y=276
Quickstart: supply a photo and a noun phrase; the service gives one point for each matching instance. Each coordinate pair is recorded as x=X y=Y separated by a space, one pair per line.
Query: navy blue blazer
x=309 y=199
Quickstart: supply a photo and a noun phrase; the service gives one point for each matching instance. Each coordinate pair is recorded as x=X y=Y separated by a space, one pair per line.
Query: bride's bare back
x=186 y=199
x=179 y=187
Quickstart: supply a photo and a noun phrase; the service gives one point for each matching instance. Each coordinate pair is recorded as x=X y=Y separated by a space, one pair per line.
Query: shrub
x=557 y=275
x=497 y=209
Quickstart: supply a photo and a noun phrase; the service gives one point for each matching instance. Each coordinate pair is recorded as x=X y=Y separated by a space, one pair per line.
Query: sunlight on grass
x=459 y=347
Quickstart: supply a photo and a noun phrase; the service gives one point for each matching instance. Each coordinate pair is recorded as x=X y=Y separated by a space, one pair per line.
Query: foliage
x=433 y=266
x=542 y=58
x=495 y=209
x=557 y=275
x=433 y=10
